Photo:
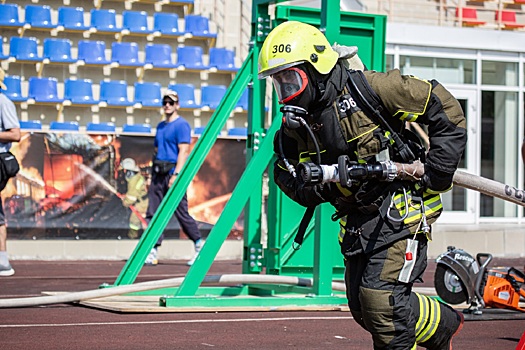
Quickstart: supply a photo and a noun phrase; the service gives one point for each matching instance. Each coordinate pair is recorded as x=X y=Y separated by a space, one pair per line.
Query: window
x=499 y=73
x=445 y=70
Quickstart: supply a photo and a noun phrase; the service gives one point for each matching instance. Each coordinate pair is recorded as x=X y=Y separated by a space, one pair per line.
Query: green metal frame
x=278 y=258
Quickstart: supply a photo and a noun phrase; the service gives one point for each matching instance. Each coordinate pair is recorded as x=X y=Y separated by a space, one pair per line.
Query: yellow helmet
x=292 y=43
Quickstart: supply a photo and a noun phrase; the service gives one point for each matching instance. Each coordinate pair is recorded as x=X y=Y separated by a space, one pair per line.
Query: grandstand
x=105 y=61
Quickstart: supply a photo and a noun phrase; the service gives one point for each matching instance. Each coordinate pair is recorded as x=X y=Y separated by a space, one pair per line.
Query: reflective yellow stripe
x=304 y=157
x=342 y=230
x=432 y=204
x=346 y=192
x=361 y=135
x=422 y=314
x=432 y=322
x=409 y=117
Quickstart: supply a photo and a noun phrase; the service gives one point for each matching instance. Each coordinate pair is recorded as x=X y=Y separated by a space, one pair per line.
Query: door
x=460 y=204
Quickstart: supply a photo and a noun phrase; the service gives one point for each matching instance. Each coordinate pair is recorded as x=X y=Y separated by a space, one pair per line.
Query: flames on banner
x=68 y=184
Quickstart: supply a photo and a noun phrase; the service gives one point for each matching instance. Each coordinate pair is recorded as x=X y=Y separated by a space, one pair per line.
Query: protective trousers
x=396 y=317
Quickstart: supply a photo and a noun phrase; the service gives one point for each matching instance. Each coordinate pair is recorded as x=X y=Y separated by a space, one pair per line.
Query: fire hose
x=412 y=171
x=229 y=280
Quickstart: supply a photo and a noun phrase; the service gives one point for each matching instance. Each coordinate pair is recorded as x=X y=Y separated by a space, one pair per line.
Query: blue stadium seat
x=148 y=94
x=125 y=54
x=166 y=23
x=190 y=58
x=222 y=59
x=38 y=16
x=9 y=15
x=135 y=22
x=242 y=104
x=92 y=52
x=212 y=96
x=66 y=126
x=58 y=50
x=104 y=20
x=186 y=94
x=114 y=93
x=24 y=49
x=31 y=124
x=107 y=127
x=139 y=128
x=79 y=92
x=238 y=132
x=196 y=25
x=199 y=130
x=72 y=18
x=159 y=56
x=44 y=90
x=14 y=88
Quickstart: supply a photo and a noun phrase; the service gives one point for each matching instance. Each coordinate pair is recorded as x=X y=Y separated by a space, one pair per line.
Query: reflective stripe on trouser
x=380 y=303
x=436 y=322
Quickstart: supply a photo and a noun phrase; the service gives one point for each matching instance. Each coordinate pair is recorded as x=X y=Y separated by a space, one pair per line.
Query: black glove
x=436 y=180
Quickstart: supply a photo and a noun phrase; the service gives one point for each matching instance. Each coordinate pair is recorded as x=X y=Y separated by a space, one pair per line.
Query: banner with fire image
x=70 y=185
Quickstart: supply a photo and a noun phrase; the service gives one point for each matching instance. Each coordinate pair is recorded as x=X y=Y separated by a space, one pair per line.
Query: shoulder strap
x=358 y=84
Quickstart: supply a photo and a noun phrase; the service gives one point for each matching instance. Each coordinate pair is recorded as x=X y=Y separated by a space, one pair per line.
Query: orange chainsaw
x=460 y=278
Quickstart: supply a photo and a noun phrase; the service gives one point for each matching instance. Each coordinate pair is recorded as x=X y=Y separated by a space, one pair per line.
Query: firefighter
x=340 y=117
x=136 y=196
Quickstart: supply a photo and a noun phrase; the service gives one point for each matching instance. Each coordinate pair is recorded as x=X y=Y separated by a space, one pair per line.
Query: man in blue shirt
x=9 y=132
x=172 y=146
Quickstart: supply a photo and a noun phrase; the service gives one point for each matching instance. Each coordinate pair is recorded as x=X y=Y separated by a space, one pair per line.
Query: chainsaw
x=459 y=278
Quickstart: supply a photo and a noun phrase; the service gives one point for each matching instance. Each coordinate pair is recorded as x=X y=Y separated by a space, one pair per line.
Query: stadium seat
x=166 y=23
x=3 y=56
x=24 y=49
x=159 y=56
x=71 y=18
x=190 y=58
x=148 y=94
x=58 y=50
x=104 y=21
x=92 y=52
x=212 y=96
x=107 y=127
x=79 y=92
x=38 y=16
x=114 y=93
x=43 y=90
x=196 y=25
x=199 y=130
x=222 y=59
x=14 y=88
x=31 y=124
x=138 y=128
x=186 y=94
x=125 y=54
x=508 y=20
x=9 y=15
x=66 y=126
x=469 y=17
x=242 y=104
x=135 y=22
x=238 y=132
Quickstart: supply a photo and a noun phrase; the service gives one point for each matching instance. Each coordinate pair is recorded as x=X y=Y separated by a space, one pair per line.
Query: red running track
x=68 y=326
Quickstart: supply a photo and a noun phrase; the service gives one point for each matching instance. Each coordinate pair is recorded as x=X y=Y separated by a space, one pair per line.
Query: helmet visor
x=289 y=83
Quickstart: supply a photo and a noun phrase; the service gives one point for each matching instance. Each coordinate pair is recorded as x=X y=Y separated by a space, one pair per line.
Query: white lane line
x=173 y=322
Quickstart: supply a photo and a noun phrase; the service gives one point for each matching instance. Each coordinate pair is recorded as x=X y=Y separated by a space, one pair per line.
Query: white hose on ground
x=231 y=280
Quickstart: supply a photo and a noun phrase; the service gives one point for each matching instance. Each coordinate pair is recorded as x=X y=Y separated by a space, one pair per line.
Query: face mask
x=289 y=84
x=129 y=174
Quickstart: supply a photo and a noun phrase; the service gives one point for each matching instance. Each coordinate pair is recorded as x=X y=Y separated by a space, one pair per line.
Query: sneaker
x=152 y=259
x=198 y=247
x=6 y=270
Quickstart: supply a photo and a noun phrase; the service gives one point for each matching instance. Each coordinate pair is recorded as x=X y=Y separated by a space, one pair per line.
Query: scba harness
x=355 y=128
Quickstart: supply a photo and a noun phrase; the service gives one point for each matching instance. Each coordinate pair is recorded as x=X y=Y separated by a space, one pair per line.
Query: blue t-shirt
x=169 y=136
